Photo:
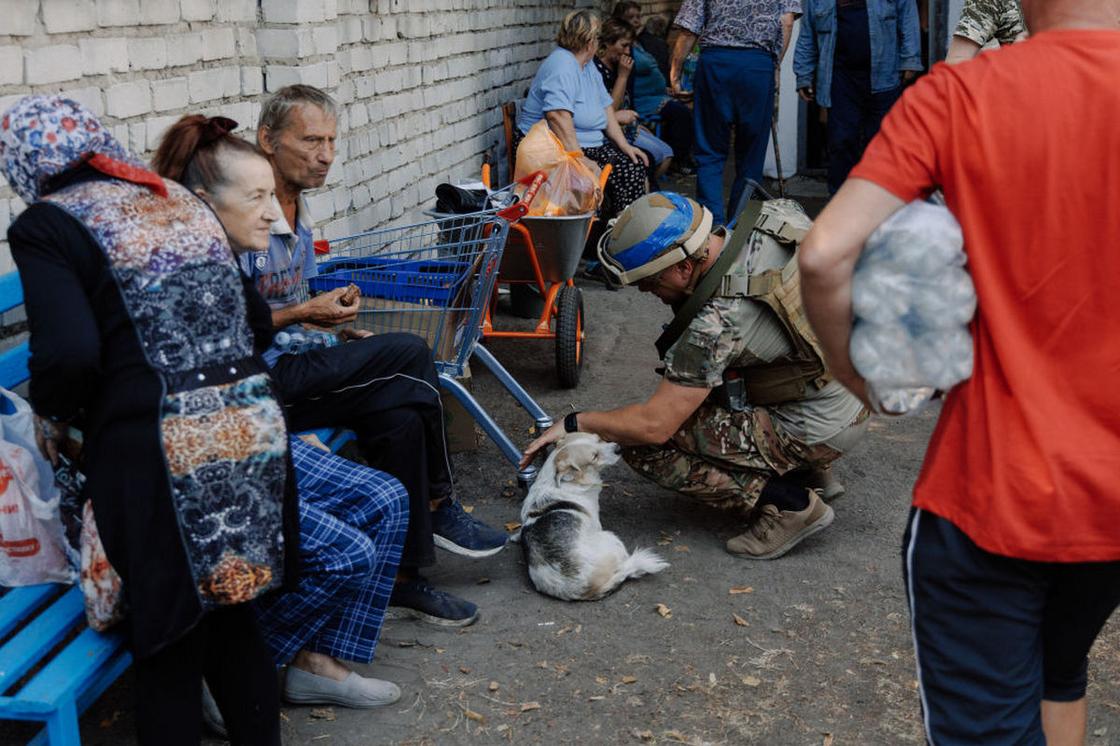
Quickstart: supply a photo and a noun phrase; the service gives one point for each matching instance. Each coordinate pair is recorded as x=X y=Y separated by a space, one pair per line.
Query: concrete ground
x=811 y=649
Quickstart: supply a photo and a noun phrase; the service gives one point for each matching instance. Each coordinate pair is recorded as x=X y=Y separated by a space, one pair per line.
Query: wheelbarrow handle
x=519 y=209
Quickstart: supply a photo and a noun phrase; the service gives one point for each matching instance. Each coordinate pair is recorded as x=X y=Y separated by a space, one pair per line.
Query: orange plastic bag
x=572 y=184
x=539 y=150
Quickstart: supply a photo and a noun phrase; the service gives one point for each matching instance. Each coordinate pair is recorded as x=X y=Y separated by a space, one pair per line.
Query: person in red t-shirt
x=1013 y=550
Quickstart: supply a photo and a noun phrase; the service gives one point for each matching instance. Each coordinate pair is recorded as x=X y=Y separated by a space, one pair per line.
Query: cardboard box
x=463 y=433
x=380 y=316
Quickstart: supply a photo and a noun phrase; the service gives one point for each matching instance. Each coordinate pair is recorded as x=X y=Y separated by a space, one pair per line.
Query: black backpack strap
x=711 y=281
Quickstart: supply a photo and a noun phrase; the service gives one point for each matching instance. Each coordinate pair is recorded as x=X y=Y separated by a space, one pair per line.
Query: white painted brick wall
x=52 y=64
x=419 y=81
x=63 y=16
x=11 y=69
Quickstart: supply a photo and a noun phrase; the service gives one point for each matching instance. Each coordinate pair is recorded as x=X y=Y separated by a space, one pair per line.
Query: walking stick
x=774 y=134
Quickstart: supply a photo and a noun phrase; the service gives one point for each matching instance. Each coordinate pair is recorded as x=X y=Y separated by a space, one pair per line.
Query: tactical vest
x=793 y=376
x=221 y=428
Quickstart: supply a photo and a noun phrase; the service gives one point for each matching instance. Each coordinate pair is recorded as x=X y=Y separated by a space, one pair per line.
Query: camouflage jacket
x=740 y=332
x=985 y=20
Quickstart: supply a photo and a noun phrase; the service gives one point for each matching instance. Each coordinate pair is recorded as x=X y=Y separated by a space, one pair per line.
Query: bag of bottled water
x=912 y=300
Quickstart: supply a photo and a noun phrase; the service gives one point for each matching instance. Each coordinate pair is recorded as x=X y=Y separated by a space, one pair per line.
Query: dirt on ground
x=812 y=649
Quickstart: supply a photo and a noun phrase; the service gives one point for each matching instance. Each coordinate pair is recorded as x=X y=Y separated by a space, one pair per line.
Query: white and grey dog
x=570 y=556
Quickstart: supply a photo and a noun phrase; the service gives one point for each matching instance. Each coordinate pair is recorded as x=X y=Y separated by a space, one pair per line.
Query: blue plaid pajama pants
x=352 y=522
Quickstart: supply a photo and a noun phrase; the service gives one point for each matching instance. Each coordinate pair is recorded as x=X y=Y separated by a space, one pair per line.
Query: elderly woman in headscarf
x=568 y=92
x=139 y=335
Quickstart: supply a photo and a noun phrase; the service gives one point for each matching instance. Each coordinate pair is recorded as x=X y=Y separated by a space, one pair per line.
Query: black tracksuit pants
x=386 y=390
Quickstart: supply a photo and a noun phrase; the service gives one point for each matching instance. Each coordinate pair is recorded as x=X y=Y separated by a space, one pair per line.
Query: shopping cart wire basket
x=435 y=279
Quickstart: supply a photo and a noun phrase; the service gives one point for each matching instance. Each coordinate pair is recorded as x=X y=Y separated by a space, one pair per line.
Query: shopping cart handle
x=322 y=246
x=519 y=209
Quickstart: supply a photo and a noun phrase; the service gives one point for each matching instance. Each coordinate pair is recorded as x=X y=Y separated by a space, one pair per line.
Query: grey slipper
x=360 y=692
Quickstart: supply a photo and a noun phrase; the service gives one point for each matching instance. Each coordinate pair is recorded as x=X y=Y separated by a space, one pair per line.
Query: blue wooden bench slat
x=62 y=678
x=19 y=603
x=31 y=643
x=13 y=365
x=94 y=688
x=11 y=292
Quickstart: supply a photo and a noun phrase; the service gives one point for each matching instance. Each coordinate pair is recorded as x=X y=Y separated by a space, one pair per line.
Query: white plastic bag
x=31 y=549
x=17 y=425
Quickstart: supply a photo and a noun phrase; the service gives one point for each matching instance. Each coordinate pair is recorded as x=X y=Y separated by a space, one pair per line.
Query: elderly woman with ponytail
x=352 y=518
x=140 y=336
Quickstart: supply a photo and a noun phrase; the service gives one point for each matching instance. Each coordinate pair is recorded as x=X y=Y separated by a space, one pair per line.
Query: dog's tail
x=640 y=562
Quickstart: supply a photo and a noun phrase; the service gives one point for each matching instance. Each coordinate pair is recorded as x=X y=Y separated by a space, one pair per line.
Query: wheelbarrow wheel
x=569 y=336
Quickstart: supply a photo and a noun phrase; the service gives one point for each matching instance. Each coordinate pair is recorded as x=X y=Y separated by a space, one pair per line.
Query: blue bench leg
x=62 y=727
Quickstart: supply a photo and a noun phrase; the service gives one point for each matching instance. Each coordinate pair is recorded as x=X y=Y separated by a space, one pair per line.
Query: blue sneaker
x=415 y=599
x=456 y=531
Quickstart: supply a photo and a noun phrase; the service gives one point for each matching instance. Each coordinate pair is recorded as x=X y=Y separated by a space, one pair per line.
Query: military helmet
x=655 y=232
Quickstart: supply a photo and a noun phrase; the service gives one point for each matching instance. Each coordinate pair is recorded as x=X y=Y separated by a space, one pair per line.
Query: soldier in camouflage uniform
x=749 y=446
x=984 y=21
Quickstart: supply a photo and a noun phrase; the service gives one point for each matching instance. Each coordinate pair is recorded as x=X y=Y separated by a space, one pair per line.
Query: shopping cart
x=435 y=279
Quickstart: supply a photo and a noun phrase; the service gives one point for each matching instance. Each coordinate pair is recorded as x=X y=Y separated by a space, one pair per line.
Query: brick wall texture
x=419 y=82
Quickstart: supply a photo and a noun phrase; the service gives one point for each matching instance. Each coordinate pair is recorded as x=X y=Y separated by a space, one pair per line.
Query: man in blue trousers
x=853 y=56
x=741 y=43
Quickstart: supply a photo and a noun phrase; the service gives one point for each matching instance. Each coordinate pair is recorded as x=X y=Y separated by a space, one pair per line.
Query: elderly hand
x=49 y=436
x=636 y=154
x=626 y=117
x=349 y=334
x=548 y=437
x=339 y=306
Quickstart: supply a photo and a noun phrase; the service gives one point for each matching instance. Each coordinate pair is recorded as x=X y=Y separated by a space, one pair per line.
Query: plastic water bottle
x=912 y=301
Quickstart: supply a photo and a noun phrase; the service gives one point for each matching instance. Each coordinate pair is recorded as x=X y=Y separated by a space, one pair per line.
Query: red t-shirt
x=1025 y=144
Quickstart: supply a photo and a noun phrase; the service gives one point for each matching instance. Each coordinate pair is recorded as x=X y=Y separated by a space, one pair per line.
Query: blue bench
x=43 y=628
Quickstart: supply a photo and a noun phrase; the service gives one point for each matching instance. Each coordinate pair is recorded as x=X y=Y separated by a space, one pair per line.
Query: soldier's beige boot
x=773 y=532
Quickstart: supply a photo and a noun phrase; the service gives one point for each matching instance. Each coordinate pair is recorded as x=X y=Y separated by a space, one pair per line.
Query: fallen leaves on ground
x=664 y=611
x=740 y=589
x=681 y=548
x=527 y=706
x=464 y=669
x=642 y=735
x=827 y=740
x=494 y=686
x=740 y=620
x=629 y=679
x=478 y=717
x=322 y=713
x=752 y=680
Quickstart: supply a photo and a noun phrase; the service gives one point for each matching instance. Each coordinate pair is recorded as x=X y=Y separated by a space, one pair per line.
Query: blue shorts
x=994 y=636
x=657 y=148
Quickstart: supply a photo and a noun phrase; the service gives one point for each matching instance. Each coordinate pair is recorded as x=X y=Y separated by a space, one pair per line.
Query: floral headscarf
x=44 y=136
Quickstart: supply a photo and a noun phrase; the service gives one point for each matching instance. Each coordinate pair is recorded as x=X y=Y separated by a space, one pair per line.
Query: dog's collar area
x=558 y=505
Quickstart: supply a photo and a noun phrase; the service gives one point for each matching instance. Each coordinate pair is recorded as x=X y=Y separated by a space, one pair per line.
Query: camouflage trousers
x=724 y=458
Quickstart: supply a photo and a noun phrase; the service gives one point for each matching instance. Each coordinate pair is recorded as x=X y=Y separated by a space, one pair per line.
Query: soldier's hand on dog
x=548 y=437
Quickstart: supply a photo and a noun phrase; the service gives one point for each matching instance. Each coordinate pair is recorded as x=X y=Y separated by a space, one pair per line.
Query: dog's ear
x=567 y=469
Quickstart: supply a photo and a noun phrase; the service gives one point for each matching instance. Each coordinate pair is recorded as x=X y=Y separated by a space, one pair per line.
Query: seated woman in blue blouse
x=569 y=94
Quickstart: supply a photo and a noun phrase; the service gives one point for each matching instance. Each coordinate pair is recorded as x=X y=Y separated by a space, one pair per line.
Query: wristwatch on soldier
x=571 y=425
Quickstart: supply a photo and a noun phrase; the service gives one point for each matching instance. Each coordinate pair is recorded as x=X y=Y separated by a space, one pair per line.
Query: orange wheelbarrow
x=543 y=253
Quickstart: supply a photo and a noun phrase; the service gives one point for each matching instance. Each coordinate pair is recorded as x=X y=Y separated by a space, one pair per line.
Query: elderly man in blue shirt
x=852 y=56
x=741 y=43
